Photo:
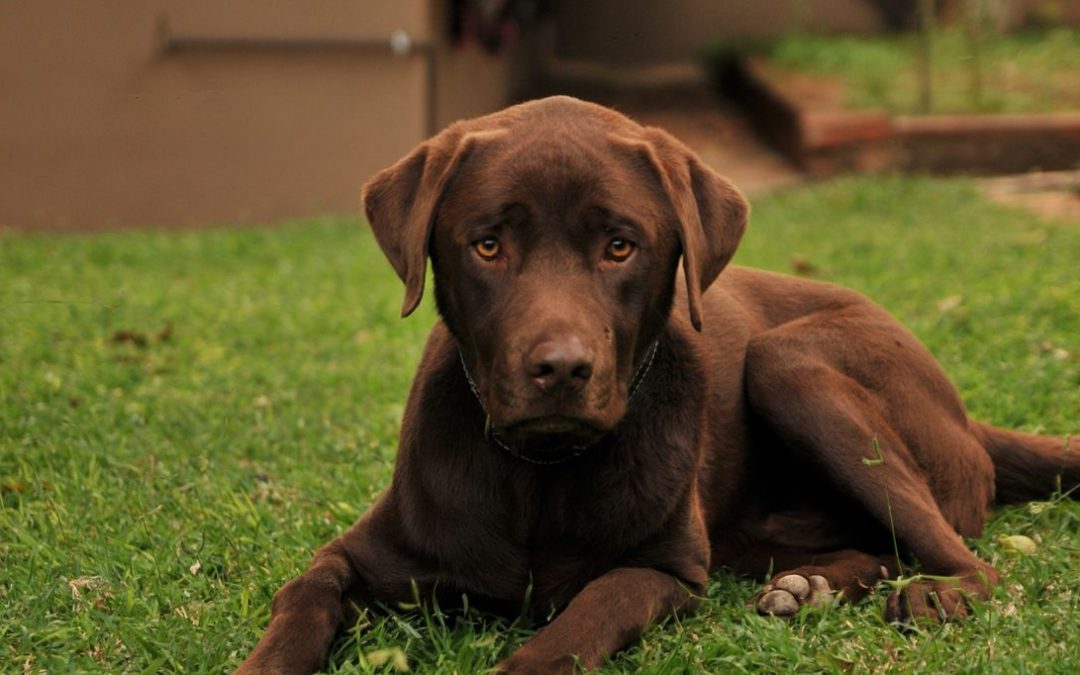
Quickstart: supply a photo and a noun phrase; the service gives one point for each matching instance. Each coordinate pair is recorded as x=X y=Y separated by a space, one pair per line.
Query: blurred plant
x=975 y=24
x=1046 y=13
x=978 y=18
x=927 y=21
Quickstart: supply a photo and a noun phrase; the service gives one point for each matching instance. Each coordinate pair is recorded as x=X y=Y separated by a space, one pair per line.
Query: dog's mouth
x=550 y=433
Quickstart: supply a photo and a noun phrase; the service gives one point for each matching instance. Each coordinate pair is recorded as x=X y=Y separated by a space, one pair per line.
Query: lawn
x=1034 y=71
x=185 y=416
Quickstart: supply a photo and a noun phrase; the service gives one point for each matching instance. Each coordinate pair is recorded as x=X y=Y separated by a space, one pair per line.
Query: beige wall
x=102 y=125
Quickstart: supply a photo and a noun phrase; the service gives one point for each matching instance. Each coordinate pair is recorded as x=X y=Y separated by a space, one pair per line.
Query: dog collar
x=573 y=450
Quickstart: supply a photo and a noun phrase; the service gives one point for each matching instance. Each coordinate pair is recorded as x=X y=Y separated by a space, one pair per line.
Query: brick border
x=824 y=142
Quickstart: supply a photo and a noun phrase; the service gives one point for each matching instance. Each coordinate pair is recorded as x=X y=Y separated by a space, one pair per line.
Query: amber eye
x=619 y=249
x=487 y=248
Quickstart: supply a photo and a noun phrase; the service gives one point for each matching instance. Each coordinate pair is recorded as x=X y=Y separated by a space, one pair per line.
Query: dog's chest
x=558 y=538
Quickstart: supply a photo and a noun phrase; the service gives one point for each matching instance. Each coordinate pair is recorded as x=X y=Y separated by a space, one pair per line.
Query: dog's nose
x=564 y=364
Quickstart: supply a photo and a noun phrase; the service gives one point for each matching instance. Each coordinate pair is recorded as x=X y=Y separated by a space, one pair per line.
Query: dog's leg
x=846 y=575
x=305 y=616
x=608 y=613
x=825 y=415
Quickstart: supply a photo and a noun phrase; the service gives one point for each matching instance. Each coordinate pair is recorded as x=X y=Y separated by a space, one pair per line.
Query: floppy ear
x=401 y=203
x=711 y=212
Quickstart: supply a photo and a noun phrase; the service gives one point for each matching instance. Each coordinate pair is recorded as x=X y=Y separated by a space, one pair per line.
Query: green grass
x=1032 y=71
x=153 y=496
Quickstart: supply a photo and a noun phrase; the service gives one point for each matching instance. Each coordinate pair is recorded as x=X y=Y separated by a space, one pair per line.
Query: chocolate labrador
x=606 y=412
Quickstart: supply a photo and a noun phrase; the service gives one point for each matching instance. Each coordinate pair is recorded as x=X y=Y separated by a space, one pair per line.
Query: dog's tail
x=1028 y=466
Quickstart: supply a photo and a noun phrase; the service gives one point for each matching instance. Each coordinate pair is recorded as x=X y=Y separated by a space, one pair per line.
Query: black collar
x=569 y=452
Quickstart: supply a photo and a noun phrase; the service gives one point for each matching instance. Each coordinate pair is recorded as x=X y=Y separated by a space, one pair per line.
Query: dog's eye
x=487 y=248
x=619 y=249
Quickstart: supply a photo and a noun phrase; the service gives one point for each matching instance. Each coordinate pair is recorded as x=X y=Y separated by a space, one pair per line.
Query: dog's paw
x=927 y=602
x=939 y=600
x=790 y=591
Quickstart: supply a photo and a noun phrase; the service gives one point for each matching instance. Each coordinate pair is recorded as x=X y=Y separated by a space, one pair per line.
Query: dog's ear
x=711 y=213
x=401 y=203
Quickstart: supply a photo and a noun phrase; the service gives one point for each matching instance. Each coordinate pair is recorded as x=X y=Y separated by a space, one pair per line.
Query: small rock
x=1017 y=544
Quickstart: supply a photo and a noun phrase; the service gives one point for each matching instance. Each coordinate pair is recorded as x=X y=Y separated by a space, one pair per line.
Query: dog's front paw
x=787 y=593
x=940 y=599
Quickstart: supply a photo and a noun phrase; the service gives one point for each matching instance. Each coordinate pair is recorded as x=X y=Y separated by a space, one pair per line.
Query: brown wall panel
x=101 y=125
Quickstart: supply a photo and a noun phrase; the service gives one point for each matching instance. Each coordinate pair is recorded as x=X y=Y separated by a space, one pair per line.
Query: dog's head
x=555 y=230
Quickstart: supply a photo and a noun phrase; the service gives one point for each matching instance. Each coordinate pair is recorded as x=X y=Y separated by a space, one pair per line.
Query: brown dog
x=588 y=422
